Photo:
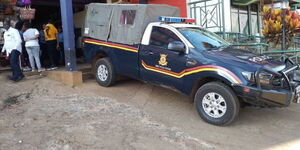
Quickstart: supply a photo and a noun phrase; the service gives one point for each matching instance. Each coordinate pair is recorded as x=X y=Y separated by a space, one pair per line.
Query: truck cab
x=174 y=53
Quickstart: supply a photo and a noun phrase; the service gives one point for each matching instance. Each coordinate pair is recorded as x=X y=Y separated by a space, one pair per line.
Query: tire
x=217 y=104
x=104 y=72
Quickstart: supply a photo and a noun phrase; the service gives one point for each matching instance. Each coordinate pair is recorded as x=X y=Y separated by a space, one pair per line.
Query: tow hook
x=297 y=99
x=297 y=94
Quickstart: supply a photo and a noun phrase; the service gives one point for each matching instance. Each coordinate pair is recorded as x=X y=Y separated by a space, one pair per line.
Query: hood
x=246 y=57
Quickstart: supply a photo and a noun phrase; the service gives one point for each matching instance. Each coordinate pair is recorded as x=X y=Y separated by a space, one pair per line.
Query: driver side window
x=161 y=37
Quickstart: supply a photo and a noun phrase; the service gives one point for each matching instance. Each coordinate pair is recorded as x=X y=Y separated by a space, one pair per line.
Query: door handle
x=148 y=52
x=151 y=53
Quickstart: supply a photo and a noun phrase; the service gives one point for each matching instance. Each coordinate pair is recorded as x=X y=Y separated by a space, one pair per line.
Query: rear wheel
x=104 y=72
x=216 y=103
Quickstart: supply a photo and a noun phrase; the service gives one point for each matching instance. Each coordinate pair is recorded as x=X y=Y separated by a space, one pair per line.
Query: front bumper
x=265 y=97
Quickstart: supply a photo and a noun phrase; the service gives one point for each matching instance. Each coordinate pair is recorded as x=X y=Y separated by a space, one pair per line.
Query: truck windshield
x=203 y=39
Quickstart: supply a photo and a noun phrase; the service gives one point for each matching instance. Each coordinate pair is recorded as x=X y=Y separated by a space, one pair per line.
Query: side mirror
x=176 y=46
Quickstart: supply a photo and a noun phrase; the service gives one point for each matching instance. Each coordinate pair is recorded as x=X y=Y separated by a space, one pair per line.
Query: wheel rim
x=102 y=73
x=214 y=105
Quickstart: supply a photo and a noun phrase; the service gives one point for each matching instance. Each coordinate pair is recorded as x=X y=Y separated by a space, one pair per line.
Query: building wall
x=235 y=17
x=181 y=4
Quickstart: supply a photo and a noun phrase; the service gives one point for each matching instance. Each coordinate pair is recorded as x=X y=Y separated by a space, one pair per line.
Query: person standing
x=43 y=46
x=31 y=36
x=13 y=48
x=24 y=56
x=51 y=34
x=60 y=47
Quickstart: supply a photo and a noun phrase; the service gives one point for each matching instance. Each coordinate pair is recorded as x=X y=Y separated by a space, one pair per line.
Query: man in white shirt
x=31 y=36
x=12 y=46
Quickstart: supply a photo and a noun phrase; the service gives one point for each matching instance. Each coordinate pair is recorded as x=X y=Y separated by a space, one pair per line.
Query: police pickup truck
x=194 y=61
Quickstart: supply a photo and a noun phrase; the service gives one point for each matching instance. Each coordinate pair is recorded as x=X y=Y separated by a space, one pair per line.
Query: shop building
x=46 y=10
x=235 y=16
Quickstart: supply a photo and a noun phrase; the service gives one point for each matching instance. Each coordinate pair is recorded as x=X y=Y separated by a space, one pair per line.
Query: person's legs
x=18 y=68
x=62 y=53
x=44 y=55
x=30 y=56
x=15 y=65
x=25 y=58
x=36 y=55
x=12 y=65
x=50 y=53
x=55 y=52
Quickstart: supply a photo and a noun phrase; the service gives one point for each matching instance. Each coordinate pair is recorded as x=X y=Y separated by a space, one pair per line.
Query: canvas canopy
x=123 y=23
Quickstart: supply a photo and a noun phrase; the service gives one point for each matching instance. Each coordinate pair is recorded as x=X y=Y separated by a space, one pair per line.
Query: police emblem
x=163 y=60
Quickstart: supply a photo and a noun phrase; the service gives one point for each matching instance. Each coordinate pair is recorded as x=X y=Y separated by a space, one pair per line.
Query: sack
x=26 y=2
x=21 y=3
x=27 y=13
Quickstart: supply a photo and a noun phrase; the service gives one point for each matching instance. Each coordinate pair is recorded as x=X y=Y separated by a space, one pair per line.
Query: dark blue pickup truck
x=197 y=62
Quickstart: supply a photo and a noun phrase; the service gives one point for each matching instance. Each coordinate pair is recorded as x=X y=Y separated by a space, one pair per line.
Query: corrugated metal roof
x=248 y=2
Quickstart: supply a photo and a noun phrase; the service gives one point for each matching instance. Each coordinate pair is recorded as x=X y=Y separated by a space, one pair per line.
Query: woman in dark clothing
x=24 y=56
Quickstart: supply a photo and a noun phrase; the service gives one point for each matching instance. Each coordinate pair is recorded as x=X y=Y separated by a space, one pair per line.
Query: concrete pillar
x=227 y=15
x=69 y=36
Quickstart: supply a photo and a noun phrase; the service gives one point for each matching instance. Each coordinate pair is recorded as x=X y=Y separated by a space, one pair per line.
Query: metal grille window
x=209 y=14
x=127 y=17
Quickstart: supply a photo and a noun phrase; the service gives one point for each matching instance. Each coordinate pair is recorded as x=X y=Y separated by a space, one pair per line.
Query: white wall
x=227 y=14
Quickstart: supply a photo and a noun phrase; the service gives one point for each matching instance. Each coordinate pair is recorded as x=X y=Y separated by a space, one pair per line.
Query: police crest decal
x=163 y=60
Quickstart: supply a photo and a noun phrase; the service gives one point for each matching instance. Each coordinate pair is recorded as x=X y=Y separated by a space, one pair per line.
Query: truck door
x=159 y=64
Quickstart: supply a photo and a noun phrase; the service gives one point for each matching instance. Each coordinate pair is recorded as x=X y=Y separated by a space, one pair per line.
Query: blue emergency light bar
x=176 y=20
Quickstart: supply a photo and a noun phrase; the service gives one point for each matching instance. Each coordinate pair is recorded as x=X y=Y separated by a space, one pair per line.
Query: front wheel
x=216 y=103
x=104 y=72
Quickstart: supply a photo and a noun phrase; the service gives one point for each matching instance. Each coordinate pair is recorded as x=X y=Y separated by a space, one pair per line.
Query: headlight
x=248 y=76
x=264 y=78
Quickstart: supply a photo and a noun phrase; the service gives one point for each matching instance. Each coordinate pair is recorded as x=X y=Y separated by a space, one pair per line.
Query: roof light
x=176 y=20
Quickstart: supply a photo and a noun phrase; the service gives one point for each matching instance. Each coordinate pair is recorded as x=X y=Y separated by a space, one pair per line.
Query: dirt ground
x=130 y=115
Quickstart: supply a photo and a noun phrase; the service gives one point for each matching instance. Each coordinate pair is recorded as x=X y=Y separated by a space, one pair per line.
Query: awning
x=243 y=2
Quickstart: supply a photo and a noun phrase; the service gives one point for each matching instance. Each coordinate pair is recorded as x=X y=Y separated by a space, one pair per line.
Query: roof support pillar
x=69 y=36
